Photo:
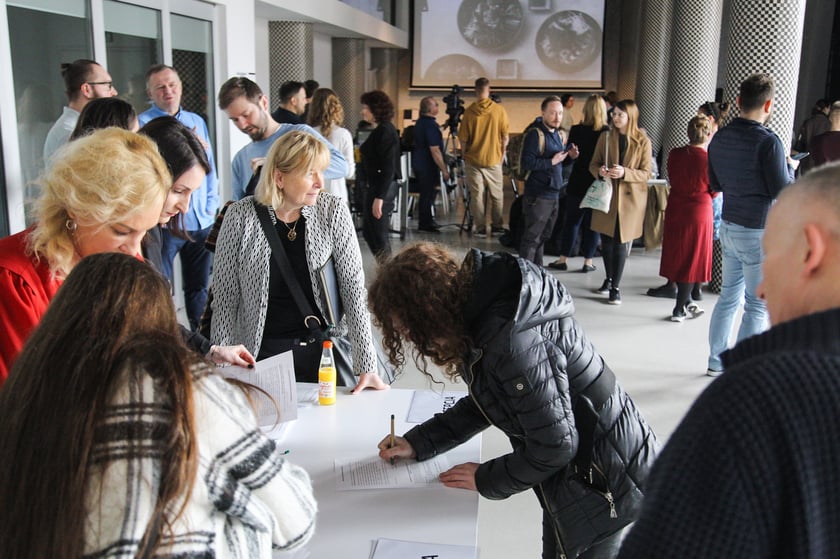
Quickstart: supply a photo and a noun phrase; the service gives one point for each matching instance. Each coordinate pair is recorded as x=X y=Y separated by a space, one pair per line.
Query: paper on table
x=376 y=473
x=426 y=403
x=275 y=375
x=384 y=548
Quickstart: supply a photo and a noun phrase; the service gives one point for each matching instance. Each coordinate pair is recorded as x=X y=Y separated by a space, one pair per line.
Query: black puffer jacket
x=530 y=364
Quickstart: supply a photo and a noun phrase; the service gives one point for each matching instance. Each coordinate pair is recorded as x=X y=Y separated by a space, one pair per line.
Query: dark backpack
x=514 y=152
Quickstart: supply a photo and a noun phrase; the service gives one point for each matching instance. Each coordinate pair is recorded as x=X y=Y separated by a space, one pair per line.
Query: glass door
x=192 y=57
x=133 y=43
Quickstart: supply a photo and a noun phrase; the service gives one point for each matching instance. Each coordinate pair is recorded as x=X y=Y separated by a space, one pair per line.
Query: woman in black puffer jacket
x=507 y=328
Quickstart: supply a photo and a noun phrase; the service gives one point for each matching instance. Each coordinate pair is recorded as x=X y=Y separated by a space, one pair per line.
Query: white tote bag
x=599 y=194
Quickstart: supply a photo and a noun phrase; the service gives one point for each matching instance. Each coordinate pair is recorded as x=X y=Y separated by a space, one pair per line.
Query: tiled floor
x=660 y=363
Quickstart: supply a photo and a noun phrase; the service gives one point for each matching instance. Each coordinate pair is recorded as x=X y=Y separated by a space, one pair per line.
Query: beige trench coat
x=629 y=199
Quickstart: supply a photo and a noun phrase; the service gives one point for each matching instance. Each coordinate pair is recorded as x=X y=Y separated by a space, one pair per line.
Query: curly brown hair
x=417 y=297
x=380 y=105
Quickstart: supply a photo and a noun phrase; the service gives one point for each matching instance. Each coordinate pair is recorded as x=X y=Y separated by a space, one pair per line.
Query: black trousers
x=615 y=255
x=427 y=183
x=539 y=215
x=376 y=232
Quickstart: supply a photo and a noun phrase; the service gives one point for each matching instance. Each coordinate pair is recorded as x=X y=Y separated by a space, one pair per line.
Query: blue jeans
x=195 y=269
x=742 y=258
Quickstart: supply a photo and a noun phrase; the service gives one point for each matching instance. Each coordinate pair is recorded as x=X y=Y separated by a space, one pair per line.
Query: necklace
x=292 y=235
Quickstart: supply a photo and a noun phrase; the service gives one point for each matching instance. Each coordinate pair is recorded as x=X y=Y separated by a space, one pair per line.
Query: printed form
x=376 y=473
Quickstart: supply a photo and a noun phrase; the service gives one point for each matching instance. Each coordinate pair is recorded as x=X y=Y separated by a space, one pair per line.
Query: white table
x=349 y=521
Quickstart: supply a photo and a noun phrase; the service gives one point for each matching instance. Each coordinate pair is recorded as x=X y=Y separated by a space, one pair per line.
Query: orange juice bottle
x=326 y=376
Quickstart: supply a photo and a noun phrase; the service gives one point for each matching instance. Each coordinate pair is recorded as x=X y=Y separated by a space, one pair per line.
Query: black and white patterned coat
x=241 y=273
x=246 y=499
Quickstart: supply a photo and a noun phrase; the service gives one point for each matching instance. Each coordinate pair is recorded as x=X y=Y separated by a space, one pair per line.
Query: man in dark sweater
x=428 y=162
x=747 y=162
x=752 y=470
x=543 y=153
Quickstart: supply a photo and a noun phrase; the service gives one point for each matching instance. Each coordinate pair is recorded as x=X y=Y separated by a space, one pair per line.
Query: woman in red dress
x=687 y=238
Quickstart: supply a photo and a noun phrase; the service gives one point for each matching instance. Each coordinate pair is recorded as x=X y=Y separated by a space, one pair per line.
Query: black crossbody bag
x=342 y=347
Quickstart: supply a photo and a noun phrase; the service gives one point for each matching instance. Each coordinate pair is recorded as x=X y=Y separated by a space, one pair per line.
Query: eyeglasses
x=109 y=84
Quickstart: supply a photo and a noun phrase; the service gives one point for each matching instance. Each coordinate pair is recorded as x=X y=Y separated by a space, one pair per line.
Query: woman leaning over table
x=101 y=193
x=252 y=304
x=629 y=168
x=118 y=441
x=507 y=328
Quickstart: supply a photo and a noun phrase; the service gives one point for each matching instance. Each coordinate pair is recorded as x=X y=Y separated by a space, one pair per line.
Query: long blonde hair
x=104 y=177
x=294 y=152
x=595 y=112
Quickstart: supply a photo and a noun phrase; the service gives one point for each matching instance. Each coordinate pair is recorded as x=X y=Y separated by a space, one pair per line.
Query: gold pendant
x=292 y=235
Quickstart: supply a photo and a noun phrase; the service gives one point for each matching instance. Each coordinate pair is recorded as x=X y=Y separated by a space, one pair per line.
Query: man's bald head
x=802 y=244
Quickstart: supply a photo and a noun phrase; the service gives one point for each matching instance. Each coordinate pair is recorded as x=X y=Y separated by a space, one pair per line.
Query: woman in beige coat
x=629 y=168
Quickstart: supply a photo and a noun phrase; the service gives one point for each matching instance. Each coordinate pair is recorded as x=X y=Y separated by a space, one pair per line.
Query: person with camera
x=428 y=162
x=484 y=138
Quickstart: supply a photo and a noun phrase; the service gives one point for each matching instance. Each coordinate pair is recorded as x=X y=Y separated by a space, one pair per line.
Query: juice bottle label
x=326 y=386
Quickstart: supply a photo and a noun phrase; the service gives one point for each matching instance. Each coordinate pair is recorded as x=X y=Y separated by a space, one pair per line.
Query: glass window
x=192 y=56
x=133 y=43
x=43 y=34
x=380 y=9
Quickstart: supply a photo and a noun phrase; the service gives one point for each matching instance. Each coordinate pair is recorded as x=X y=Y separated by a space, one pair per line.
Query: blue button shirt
x=204 y=202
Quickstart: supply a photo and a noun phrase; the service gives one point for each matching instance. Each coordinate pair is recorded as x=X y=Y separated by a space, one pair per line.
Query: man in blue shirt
x=748 y=163
x=164 y=88
x=427 y=161
x=247 y=107
x=543 y=153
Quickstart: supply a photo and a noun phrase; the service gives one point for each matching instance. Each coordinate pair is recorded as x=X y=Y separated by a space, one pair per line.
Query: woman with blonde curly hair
x=507 y=328
x=101 y=193
x=326 y=115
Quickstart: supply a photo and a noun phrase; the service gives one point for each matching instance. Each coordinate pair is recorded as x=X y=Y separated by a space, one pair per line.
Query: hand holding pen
x=393 y=447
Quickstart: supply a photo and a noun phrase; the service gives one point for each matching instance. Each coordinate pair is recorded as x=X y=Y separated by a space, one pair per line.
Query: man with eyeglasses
x=84 y=81
x=163 y=85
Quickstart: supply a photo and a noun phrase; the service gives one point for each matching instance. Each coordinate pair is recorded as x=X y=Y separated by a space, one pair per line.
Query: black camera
x=454 y=107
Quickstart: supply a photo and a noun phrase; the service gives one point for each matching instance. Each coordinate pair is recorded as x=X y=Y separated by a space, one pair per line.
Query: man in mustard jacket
x=484 y=138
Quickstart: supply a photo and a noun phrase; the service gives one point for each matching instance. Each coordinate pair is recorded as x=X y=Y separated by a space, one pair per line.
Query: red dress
x=687 y=235
x=26 y=288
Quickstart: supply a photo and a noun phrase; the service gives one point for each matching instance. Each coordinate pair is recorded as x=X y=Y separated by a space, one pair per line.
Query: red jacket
x=26 y=288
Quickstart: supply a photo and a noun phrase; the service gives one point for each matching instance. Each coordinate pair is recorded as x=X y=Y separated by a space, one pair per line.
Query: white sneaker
x=713 y=373
x=693 y=310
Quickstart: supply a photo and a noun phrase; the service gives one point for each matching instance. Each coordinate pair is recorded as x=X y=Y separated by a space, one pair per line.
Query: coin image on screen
x=490 y=24
x=568 y=41
x=454 y=68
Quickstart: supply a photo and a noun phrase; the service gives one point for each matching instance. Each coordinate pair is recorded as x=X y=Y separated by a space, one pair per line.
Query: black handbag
x=342 y=346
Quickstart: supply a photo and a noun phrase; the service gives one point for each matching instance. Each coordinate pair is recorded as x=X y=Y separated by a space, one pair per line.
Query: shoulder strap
x=310 y=319
x=540 y=139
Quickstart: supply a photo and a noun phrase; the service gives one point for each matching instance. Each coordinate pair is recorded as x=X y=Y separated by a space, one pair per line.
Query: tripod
x=457 y=178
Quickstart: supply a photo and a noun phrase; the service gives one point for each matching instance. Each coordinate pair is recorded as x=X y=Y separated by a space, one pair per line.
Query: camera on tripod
x=454 y=107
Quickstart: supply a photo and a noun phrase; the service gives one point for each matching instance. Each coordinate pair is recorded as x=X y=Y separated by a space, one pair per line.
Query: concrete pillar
x=651 y=84
x=291 y=55
x=692 y=71
x=767 y=37
x=349 y=77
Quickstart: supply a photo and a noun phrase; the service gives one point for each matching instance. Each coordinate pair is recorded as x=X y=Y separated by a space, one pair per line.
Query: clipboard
x=330 y=292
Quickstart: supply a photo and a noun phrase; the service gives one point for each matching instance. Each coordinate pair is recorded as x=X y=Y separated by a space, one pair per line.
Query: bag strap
x=607 y=151
x=279 y=253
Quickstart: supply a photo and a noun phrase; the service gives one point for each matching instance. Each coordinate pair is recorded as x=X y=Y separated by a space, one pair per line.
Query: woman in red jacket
x=101 y=193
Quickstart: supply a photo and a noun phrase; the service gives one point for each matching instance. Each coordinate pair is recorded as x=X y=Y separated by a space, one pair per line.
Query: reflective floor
x=660 y=363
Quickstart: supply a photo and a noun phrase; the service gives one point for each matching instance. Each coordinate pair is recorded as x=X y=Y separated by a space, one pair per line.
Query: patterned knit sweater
x=246 y=500
x=754 y=468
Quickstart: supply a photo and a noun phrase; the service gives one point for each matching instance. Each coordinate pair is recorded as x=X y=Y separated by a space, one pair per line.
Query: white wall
x=322 y=59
